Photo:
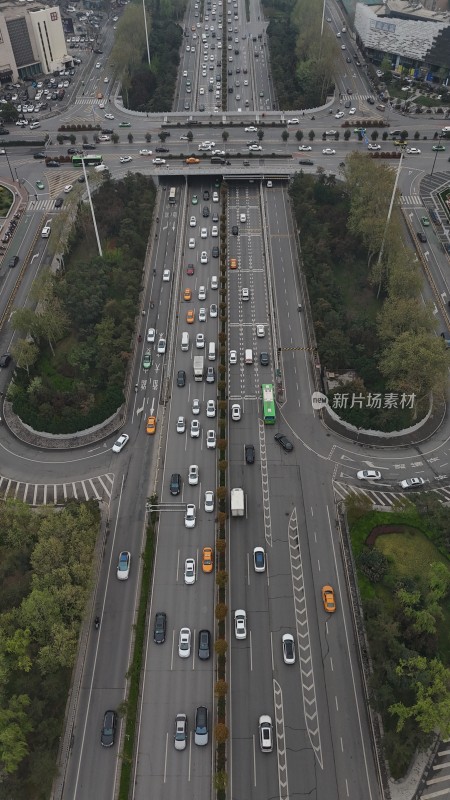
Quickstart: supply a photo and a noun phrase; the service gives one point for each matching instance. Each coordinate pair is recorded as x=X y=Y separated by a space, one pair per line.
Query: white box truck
x=237 y=503
x=199 y=368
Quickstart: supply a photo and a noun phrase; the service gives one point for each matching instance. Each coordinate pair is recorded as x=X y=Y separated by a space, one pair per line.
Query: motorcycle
x=97 y=623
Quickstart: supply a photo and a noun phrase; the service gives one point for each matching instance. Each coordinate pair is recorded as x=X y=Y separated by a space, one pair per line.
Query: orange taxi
x=190 y=316
x=151 y=425
x=233 y=263
x=207 y=559
x=187 y=294
x=192 y=160
x=328 y=600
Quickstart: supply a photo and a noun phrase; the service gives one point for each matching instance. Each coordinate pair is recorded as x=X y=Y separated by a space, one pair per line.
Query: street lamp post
x=436 y=154
x=146 y=33
x=9 y=165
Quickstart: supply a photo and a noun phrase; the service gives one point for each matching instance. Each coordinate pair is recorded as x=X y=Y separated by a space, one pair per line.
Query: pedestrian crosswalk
x=437 y=784
x=86 y=101
x=41 y=204
x=411 y=200
x=98 y=487
x=356 y=98
x=384 y=498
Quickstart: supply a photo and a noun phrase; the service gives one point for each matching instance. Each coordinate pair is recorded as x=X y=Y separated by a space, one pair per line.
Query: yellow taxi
x=328 y=600
x=207 y=559
x=192 y=160
x=190 y=316
x=151 y=425
x=187 y=294
x=233 y=263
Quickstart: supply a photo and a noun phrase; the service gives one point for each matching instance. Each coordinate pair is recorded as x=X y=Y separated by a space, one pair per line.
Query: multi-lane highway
x=321 y=740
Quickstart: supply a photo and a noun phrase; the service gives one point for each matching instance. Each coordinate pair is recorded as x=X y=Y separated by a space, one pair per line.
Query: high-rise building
x=31 y=41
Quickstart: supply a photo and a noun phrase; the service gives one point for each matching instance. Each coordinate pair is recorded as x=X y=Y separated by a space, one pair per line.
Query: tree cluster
x=302 y=58
x=364 y=289
x=75 y=347
x=45 y=581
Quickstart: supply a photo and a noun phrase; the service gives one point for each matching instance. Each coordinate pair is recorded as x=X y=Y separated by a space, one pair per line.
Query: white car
x=259 y=559
x=260 y=331
x=245 y=294
x=343 y=47
x=211 y=409
x=151 y=335
x=210 y=440
x=352 y=111
x=250 y=129
x=161 y=349
x=185 y=74
x=201 y=90
x=233 y=357
x=213 y=310
x=339 y=115
x=266 y=729
x=181 y=425
x=109 y=116
x=203 y=233
x=235 y=412
x=193 y=475
x=293 y=121
x=254 y=147
x=196 y=407
x=189 y=571
x=240 y=624
x=195 y=429
x=242 y=217
x=98 y=65
x=328 y=151
x=202 y=292
x=374 y=146
x=180 y=737
x=123 y=565
x=191 y=244
x=120 y=444
x=204 y=257
x=200 y=341
x=159 y=160
x=202 y=315
x=287 y=642
x=189 y=517
x=125 y=159
x=209 y=501
x=145 y=152
x=411 y=483
x=413 y=151
x=166 y=275
x=218 y=153
x=184 y=643
x=304 y=148
x=192 y=222
x=68 y=188
x=368 y=475
x=214 y=231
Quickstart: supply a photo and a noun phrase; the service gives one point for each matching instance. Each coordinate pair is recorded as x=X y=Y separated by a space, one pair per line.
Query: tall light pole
x=438 y=140
x=9 y=165
x=100 y=252
x=391 y=204
x=146 y=32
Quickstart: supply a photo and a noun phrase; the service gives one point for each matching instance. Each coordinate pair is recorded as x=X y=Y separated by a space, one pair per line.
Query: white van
x=212 y=351
x=249 y=357
x=34 y=125
x=100 y=168
x=185 y=341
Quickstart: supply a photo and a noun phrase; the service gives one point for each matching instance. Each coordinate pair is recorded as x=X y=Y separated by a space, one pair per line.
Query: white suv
x=265 y=733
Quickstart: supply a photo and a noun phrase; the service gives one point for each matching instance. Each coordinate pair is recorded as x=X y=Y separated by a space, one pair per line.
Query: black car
x=97 y=50
x=249 y=453
x=89 y=146
x=264 y=359
x=4 y=132
x=181 y=378
x=204 y=645
x=371 y=101
x=81 y=179
x=348 y=104
x=215 y=252
x=39 y=155
x=13 y=261
x=175 y=483
x=59 y=201
x=205 y=211
x=52 y=163
x=205 y=194
x=235 y=230
x=306 y=162
x=284 y=442
x=161 y=149
x=159 y=631
x=108 y=131
x=109 y=729
x=421 y=236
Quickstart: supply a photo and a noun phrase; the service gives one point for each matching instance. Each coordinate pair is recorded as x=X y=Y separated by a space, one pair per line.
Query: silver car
x=180 y=736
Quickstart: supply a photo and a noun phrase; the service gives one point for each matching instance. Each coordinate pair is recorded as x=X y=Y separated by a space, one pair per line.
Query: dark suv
x=181 y=378
x=205 y=211
x=159 y=631
x=249 y=454
x=13 y=261
x=109 y=729
x=204 y=645
x=175 y=483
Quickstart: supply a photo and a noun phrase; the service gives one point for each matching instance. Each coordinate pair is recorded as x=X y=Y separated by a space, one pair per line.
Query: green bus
x=268 y=403
x=89 y=160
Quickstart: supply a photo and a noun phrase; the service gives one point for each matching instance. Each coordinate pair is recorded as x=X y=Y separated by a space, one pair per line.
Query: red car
x=190 y=269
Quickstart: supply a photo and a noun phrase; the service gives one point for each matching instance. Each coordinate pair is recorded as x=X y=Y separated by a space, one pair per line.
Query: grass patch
x=430 y=102
x=411 y=553
x=6 y=200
